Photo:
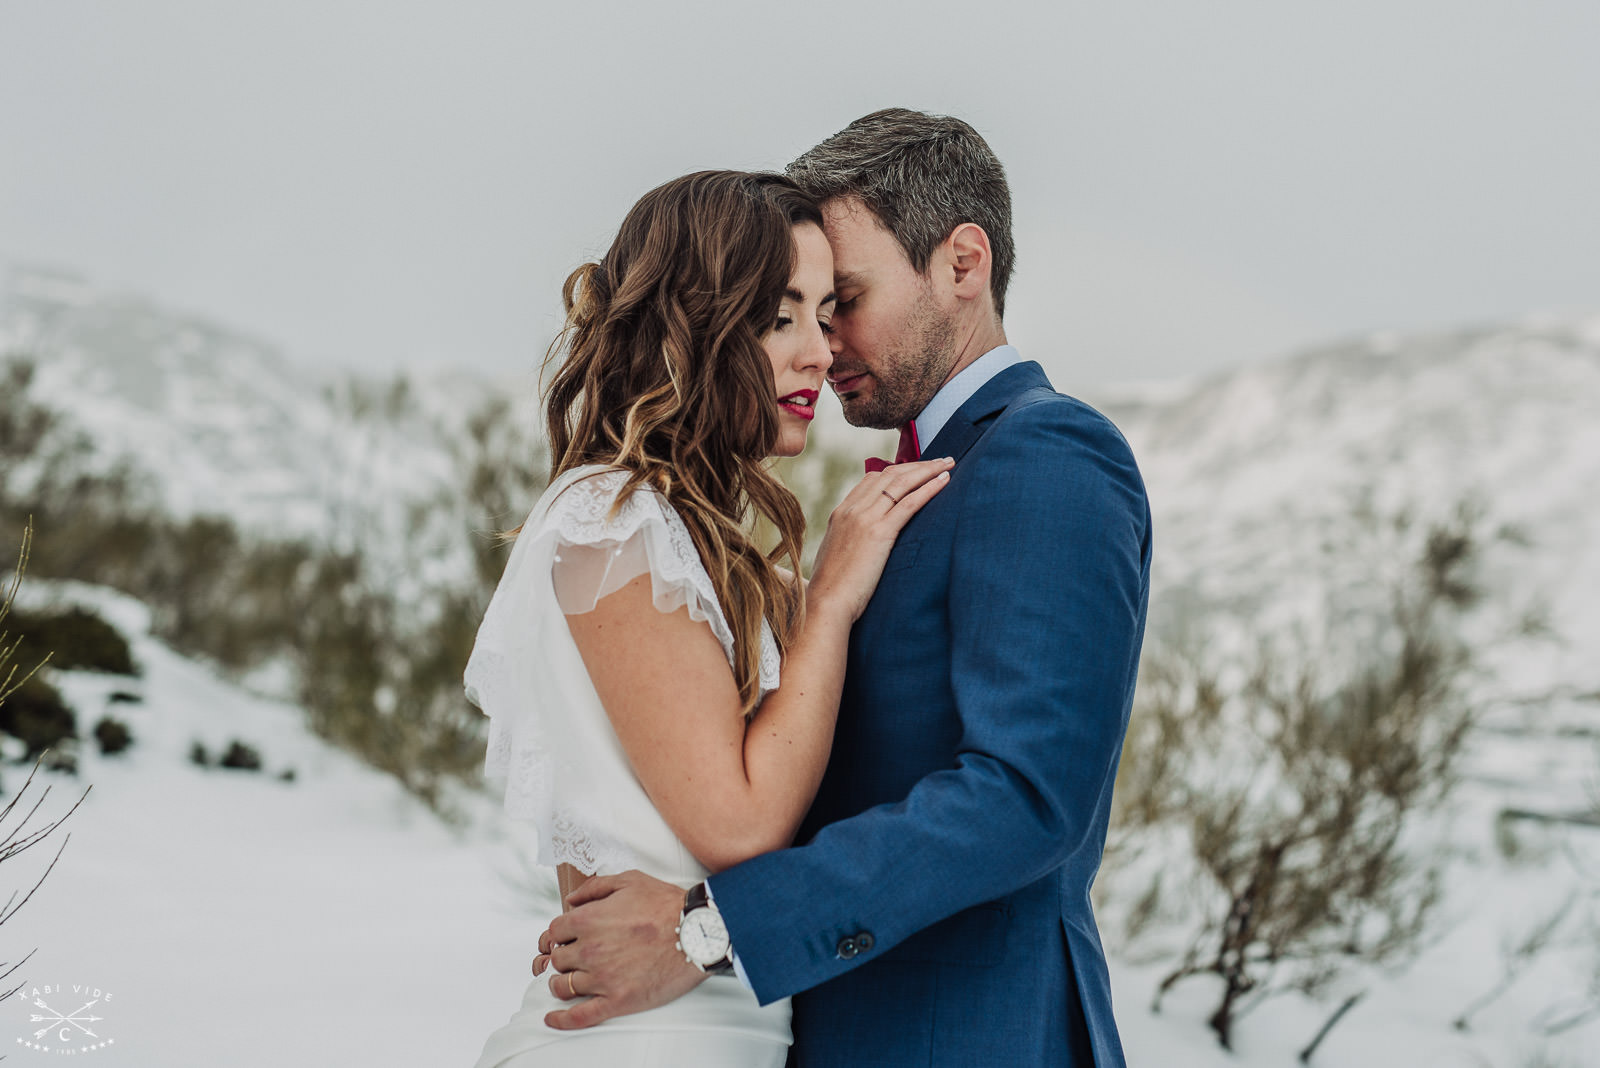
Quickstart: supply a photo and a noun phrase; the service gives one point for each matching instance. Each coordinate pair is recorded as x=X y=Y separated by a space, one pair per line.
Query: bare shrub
x=18 y=838
x=504 y=479
x=9 y=682
x=1577 y=1008
x=1179 y=704
x=1574 y=1007
x=23 y=424
x=31 y=710
x=394 y=699
x=1296 y=777
x=1518 y=952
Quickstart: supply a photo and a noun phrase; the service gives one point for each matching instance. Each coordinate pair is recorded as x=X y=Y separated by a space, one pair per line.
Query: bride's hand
x=863 y=528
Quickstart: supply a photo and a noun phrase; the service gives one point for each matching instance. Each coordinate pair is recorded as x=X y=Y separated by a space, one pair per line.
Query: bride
x=629 y=661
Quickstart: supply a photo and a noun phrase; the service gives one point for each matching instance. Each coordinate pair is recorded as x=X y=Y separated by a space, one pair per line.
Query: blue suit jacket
x=938 y=911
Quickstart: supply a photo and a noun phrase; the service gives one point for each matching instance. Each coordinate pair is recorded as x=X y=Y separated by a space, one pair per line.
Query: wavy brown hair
x=665 y=377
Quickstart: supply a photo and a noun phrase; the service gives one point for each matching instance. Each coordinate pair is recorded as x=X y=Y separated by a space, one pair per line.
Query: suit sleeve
x=1048 y=590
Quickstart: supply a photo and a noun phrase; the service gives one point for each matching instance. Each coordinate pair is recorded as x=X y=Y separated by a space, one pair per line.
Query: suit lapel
x=970 y=420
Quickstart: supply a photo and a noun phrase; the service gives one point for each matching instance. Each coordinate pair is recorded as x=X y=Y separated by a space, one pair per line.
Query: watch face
x=703 y=936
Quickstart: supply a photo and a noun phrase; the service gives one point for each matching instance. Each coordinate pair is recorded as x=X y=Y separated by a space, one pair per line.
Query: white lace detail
x=550 y=741
x=586 y=849
x=582 y=516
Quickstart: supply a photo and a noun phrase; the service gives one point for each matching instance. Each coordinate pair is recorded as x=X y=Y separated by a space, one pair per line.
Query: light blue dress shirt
x=960 y=389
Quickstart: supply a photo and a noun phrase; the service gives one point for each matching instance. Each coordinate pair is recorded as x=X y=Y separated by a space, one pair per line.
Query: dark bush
x=240 y=756
x=123 y=697
x=112 y=735
x=76 y=639
x=36 y=714
x=23 y=423
x=198 y=755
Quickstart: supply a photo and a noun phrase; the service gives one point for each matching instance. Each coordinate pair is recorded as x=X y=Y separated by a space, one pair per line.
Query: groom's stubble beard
x=907 y=376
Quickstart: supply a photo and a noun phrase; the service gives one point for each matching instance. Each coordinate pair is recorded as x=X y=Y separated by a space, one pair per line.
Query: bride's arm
x=729 y=788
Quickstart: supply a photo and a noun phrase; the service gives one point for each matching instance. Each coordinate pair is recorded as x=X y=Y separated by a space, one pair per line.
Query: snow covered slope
x=1254 y=472
x=235 y=918
x=220 y=423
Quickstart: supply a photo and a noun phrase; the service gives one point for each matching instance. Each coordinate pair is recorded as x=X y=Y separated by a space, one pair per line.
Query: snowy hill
x=1247 y=470
x=1265 y=481
x=214 y=422
x=1272 y=485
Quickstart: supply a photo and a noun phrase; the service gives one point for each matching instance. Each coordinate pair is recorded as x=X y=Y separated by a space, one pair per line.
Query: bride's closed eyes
x=783 y=321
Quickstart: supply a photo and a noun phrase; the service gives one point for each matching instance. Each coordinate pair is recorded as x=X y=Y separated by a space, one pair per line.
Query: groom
x=937 y=911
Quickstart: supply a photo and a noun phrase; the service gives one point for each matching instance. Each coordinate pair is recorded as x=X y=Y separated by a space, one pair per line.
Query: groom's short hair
x=922 y=175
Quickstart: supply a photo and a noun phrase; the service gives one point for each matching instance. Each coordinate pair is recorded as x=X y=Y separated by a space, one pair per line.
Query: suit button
x=864 y=941
x=848 y=948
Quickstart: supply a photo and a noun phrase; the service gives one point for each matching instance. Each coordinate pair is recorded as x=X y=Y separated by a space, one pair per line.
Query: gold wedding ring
x=891 y=496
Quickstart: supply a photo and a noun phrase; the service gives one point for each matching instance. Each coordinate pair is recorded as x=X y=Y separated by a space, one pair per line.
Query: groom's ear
x=968 y=259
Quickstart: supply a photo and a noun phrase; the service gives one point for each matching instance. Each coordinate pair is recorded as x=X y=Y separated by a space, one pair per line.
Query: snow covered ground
x=229 y=917
x=234 y=918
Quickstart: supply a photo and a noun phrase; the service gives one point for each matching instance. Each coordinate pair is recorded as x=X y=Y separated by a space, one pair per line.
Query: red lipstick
x=802 y=402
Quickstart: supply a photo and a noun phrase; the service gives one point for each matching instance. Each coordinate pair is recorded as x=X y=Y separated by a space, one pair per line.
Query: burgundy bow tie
x=908 y=450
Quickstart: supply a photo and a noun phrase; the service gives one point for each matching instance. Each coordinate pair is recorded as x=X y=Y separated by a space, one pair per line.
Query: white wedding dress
x=565 y=771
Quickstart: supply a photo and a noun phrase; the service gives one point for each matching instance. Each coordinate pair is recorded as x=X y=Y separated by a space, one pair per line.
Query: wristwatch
x=702 y=936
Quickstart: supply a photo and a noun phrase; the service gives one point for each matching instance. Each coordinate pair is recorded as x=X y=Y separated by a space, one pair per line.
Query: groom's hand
x=617 y=947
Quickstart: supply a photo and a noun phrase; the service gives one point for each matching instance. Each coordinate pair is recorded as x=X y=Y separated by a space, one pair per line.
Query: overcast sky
x=1197 y=184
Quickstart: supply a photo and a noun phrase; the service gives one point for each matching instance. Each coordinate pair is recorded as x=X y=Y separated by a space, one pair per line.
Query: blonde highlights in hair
x=665 y=377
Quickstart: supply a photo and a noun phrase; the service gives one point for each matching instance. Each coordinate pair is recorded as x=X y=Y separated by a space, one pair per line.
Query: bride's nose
x=817 y=355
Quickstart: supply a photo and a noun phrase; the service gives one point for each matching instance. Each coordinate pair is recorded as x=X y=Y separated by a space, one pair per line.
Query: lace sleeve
x=598 y=551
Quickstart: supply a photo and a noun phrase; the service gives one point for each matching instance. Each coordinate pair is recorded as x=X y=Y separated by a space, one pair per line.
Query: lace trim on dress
x=582 y=517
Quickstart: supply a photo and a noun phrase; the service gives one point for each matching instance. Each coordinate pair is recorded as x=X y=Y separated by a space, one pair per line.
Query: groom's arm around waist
x=1048 y=585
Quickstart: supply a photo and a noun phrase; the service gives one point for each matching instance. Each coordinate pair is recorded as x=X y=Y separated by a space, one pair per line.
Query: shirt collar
x=956 y=392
